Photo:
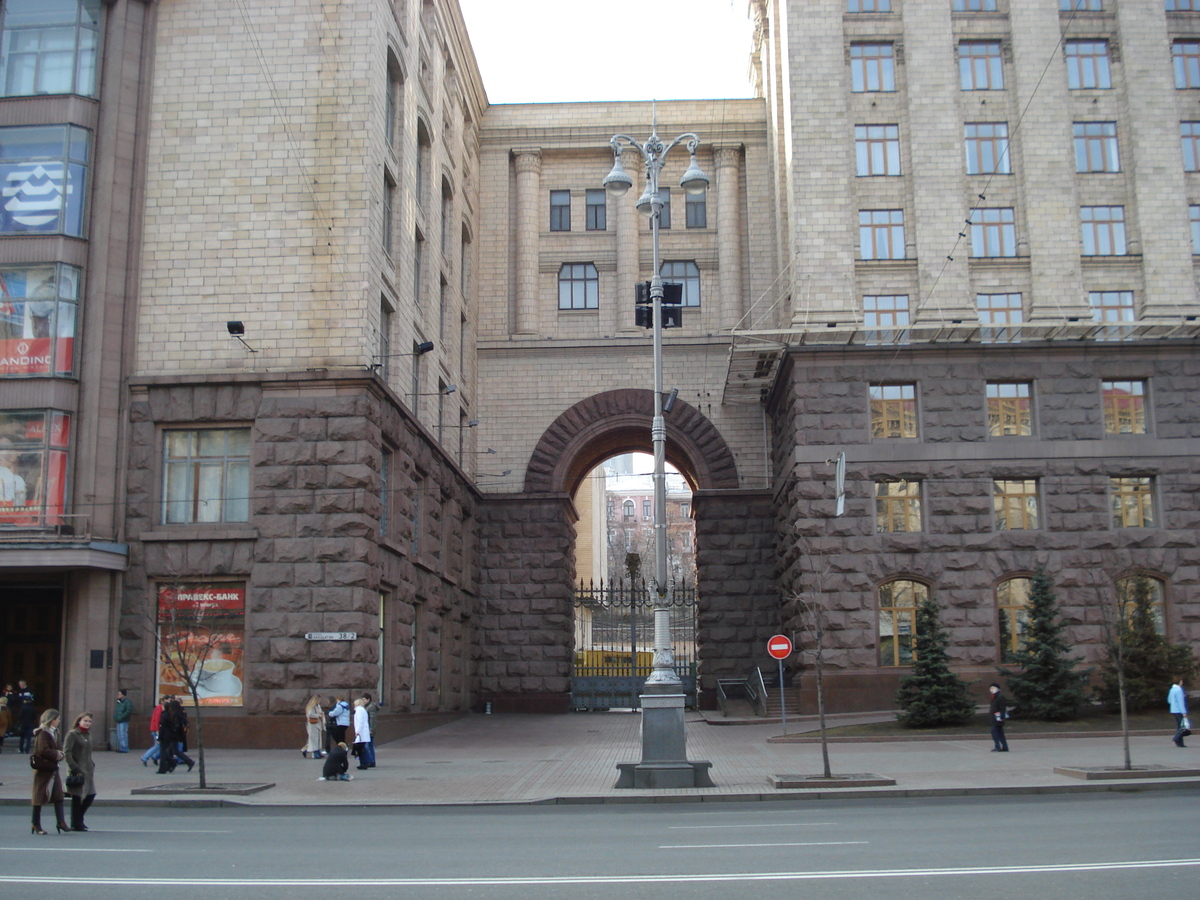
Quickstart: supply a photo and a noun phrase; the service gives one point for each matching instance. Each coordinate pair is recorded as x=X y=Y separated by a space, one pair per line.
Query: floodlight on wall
x=237 y=329
x=448 y=389
x=422 y=348
x=470 y=423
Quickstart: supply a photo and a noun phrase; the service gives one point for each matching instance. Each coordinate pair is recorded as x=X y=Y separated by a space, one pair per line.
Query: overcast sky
x=549 y=51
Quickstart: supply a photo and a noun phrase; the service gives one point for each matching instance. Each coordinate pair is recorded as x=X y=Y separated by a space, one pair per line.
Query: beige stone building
x=306 y=278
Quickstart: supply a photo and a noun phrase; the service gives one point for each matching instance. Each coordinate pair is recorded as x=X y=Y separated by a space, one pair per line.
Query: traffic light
x=672 y=311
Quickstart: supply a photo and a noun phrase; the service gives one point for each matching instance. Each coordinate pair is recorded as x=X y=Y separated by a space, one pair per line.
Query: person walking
x=1177 y=704
x=47 y=786
x=999 y=712
x=77 y=751
x=362 y=732
x=314 y=724
x=339 y=716
x=5 y=720
x=155 y=716
x=122 y=713
x=172 y=738
x=372 y=708
x=27 y=717
x=337 y=762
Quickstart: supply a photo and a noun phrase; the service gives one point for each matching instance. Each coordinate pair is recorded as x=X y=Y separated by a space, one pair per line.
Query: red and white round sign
x=780 y=646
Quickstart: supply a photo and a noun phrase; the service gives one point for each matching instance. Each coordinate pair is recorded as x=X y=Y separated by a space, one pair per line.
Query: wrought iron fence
x=614 y=643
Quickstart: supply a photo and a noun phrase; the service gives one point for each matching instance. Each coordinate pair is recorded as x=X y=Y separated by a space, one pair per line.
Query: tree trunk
x=821 y=715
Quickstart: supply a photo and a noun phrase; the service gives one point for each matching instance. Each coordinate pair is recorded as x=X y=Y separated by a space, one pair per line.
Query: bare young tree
x=1114 y=622
x=813 y=627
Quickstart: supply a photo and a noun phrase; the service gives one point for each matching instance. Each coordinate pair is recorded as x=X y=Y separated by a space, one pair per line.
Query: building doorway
x=31 y=639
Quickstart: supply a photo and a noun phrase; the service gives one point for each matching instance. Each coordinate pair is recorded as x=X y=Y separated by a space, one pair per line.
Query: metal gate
x=614 y=643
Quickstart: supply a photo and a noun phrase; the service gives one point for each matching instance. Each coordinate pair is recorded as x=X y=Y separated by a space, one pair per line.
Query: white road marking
x=77 y=849
x=764 y=825
x=749 y=846
x=599 y=879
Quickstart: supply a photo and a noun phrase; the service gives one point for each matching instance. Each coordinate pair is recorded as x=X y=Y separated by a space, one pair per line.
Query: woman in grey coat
x=77 y=754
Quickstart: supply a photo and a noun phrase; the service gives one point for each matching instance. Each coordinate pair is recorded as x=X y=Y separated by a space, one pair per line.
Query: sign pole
x=782 y=704
x=780 y=647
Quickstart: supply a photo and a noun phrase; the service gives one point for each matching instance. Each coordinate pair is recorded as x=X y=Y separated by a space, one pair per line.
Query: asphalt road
x=1090 y=847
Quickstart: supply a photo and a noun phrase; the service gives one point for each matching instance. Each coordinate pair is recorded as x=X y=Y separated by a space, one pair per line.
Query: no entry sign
x=780 y=646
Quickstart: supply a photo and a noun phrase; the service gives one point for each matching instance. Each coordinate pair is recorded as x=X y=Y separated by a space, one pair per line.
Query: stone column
x=625 y=215
x=727 y=159
x=524 y=320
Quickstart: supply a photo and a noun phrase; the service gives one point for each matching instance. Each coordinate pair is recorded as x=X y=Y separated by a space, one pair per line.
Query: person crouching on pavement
x=999 y=712
x=337 y=764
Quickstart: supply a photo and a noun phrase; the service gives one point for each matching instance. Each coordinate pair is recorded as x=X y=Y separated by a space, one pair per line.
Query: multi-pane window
x=206 y=475
x=877 y=149
x=393 y=102
x=974 y=5
x=993 y=232
x=862 y=6
x=560 y=210
x=1103 y=230
x=1012 y=607
x=897 y=506
x=898 y=602
x=881 y=233
x=49 y=47
x=1124 y=407
x=996 y=313
x=695 y=208
x=1185 y=57
x=1087 y=65
x=1132 y=502
x=1015 y=504
x=647 y=509
x=387 y=212
x=1182 y=5
x=1194 y=219
x=1096 y=147
x=893 y=411
x=980 y=66
x=596 y=218
x=385 y=340
x=629 y=511
x=664 y=216
x=38 y=311
x=33 y=467
x=1189 y=137
x=1112 y=306
x=44 y=173
x=872 y=67
x=987 y=148
x=1089 y=5
x=1127 y=590
x=578 y=286
x=1009 y=409
x=885 y=316
x=687 y=273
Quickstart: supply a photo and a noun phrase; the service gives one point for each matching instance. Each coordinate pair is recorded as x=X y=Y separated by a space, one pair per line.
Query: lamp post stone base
x=664 y=749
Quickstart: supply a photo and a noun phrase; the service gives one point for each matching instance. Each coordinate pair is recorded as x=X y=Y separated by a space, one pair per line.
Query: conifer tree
x=1045 y=685
x=932 y=695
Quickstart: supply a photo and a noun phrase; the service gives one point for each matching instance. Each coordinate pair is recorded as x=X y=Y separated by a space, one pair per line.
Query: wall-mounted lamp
x=490 y=451
x=471 y=423
x=503 y=474
x=422 y=348
x=237 y=329
x=448 y=389
x=669 y=403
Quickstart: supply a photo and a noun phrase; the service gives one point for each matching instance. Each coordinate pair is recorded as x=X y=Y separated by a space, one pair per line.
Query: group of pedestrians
x=326 y=734
x=47 y=755
x=168 y=735
x=18 y=716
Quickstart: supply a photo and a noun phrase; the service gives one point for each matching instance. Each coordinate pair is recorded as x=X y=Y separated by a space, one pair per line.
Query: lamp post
x=663 y=748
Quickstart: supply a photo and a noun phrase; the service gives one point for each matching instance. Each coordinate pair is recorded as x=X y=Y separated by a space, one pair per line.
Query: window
x=862 y=6
x=980 y=66
x=597 y=210
x=997 y=311
x=1103 y=230
x=1189 y=136
x=872 y=67
x=206 y=475
x=1194 y=218
x=448 y=221
x=881 y=233
x=647 y=509
x=1009 y=409
x=386 y=213
x=1096 y=147
x=877 y=149
x=628 y=511
x=1124 y=407
x=664 y=217
x=1132 y=502
x=560 y=210
x=1015 y=504
x=883 y=315
x=1087 y=65
x=897 y=506
x=33 y=467
x=993 y=233
x=38 y=307
x=1127 y=589
x=1089 y=5
x=695 y=209
x=385 y=339
x=685 y=510
x=1112 y=306
x=974 y=5
x=987 y=148
x=43 y=171
x=898 y=602
x=1185 y=56
x=49 y=47
x=420 y=486
x=578 y=286
x=418 y=266
x=424 y=162
x=893 y=411
x=386 y=461
x=1012 y=605
x=393 y=102
x=1182 y=6
x=686 y=273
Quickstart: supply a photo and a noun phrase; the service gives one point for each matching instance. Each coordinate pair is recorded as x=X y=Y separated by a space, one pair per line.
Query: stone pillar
x=529 y=177
x=727 y=159
x=625 y=214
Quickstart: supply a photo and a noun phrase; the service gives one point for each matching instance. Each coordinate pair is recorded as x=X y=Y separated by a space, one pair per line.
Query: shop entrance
x=30 y=639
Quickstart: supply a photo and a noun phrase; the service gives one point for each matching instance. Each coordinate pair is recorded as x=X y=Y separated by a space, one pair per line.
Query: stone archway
x=525 y=627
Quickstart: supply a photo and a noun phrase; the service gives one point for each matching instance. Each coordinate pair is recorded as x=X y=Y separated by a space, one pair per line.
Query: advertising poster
x=37 y=320
x=201 y=631
x=33 y=467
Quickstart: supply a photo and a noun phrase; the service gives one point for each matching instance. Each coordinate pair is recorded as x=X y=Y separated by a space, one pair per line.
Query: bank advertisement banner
x=201 y=632
x=33 y=467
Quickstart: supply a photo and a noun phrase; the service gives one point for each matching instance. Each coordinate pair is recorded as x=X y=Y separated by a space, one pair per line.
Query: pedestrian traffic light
x=672 y=302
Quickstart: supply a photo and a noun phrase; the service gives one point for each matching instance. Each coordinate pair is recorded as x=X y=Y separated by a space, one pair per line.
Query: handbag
x=75 y=781
x=313 y=720
x=1185 y=726
x=41 y=764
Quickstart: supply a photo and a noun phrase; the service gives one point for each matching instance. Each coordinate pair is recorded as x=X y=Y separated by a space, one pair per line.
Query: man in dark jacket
x=27 y=717
x=122 y=713
x=999 y=712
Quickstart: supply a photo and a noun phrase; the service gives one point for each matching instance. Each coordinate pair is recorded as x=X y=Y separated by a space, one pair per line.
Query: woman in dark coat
x=77 y=750
x=47 y=788
x=172 y=735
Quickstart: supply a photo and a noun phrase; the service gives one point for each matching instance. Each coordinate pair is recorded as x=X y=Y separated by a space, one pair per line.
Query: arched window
x=1127 y=593
x=898 y=602
x=629 y=511
x=1012 y=605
